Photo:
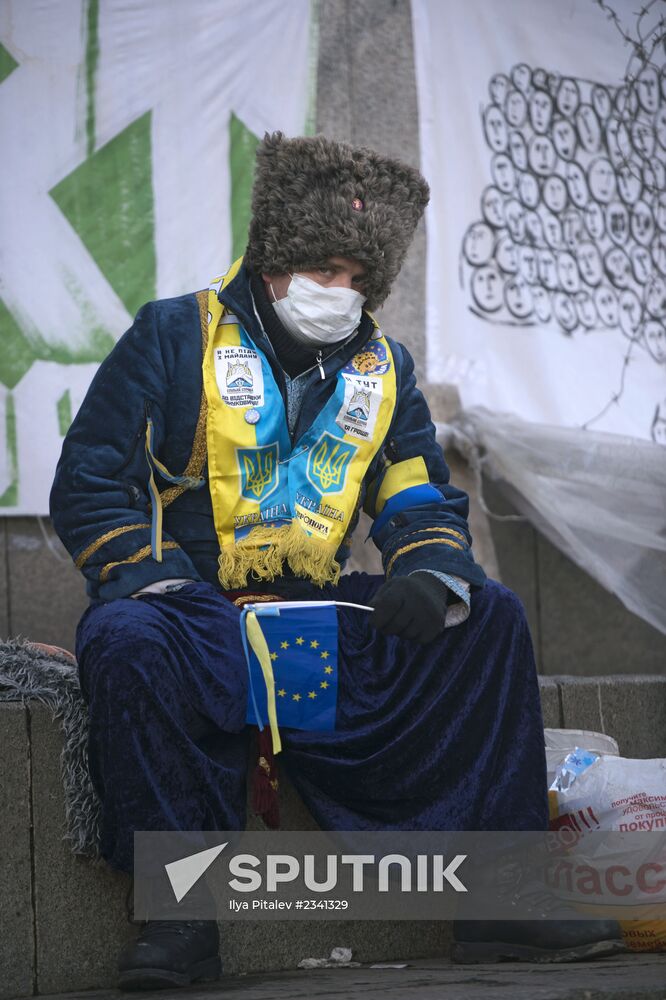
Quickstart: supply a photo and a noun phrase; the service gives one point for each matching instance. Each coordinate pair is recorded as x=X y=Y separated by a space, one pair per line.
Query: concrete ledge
x=629 y=707
x=66 y=917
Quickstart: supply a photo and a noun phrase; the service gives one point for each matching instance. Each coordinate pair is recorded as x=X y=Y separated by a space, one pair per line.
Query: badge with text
x=239 y=377
x=358 y=414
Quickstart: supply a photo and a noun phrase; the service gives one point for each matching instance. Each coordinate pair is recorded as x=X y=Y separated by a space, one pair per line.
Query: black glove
x=412 y=607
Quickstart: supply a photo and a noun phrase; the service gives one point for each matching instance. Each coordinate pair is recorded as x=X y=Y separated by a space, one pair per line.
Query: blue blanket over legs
x=447 y=736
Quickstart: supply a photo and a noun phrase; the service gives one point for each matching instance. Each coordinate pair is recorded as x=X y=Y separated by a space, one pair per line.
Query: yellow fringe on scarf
x=263 y=551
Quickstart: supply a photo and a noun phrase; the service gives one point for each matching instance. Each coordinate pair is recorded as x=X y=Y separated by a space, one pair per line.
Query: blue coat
x=99 y=500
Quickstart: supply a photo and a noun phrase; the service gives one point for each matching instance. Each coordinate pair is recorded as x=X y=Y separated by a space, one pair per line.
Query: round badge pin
x=252 y=416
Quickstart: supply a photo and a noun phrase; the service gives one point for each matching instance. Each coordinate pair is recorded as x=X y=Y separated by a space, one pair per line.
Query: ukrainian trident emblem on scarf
x=259 y=471
x=328 y=463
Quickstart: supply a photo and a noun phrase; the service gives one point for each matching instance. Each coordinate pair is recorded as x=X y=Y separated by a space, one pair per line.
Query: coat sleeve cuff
x=459 y=611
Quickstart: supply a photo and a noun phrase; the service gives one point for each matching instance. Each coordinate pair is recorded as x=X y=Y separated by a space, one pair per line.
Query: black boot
x=170 y=953
x=535 y=941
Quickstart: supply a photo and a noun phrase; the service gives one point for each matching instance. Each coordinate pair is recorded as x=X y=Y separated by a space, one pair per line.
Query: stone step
x=633 y=977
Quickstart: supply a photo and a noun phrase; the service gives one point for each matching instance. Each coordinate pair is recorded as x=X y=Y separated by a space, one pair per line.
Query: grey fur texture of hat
x=314 y=198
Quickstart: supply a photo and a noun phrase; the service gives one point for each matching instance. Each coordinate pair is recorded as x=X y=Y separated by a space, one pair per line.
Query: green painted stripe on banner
x=7 y=63
x=242 y=148
x=10 y=497
x=64 y=409
x=17 y=353
x=108 y=200
x=92 y=60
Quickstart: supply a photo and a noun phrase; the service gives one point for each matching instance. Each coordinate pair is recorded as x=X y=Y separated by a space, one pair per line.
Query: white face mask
x=314 y=314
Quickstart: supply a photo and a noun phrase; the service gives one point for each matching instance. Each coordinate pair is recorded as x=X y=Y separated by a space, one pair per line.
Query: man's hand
x=412 y=607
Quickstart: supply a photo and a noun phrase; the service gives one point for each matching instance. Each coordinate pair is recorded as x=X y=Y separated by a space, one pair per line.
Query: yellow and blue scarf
x=272 y=504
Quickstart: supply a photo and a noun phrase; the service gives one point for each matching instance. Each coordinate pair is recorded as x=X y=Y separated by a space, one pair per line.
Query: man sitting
x=223 y=452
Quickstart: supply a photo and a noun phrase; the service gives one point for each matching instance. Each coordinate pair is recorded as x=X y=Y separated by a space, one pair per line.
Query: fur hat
x=314 y=198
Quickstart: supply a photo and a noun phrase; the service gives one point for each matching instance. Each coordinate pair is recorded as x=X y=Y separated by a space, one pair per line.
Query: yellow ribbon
x=260 y=648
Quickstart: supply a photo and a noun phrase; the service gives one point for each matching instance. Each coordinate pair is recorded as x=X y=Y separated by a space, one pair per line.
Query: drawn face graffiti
x=555 y=193
x=659 y=252
x=589 y=264
x=617 y=222
x=527 y=263
x=655 y=298
x=515 y=108
x=601 y=102
x=588 y=128
x=567 y=272
x=521 y=76
x=499 y=88
x=552 y=228
x=564 y=137
x=487 y=288
x=601 y=180
x=541 y=110
x=618 y=142
x=554 y=80
x=654 y=176
x=576 y=184
x=515 y=219
x=641 y=263
x=565 y=311
x=629 y=183
x=605 y=300
x=518 y=297
x=478 y=244
x=568 y=97
x=542 y=307
x=495 y=129
x=595 y=222
x=643 y=139
x=655 y=340
x=642 y=223
x=533 y=228
x=503 y=173
x=617 y=267
x=506 y=255
x=542 y=155
x=492 y=207
x=528 y=190
x=587 y=314
x=629 y=313
x=518 y=150
x=547 y=268
x=540 y=78
x=573 y=229
x=648 y=89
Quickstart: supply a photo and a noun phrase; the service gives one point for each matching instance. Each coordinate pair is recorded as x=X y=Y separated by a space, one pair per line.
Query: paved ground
x=635 y=977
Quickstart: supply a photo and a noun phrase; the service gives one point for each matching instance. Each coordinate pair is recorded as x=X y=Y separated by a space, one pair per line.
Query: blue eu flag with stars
x=302 y=640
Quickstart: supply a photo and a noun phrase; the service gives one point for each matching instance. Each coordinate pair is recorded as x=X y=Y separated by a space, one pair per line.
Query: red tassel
x=265 y=774
x=265 y=782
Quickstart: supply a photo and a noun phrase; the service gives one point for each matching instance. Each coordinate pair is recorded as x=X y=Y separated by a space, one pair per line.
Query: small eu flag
x=292 y=654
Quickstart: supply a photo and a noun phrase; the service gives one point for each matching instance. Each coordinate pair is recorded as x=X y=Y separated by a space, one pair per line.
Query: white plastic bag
x=593 y=792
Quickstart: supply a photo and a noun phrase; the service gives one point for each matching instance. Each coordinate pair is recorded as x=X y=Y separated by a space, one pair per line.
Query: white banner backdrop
x=547 y=226
x=128 y=136
x=546 y=270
